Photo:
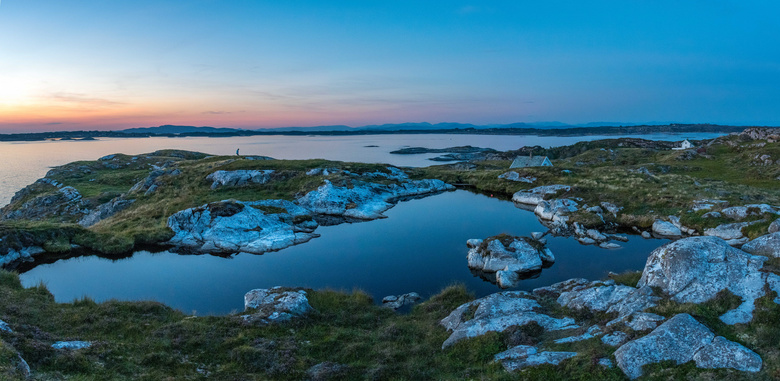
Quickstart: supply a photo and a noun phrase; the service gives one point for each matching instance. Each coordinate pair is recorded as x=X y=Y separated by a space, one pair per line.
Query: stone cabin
x=531 y=161
x=684 y=145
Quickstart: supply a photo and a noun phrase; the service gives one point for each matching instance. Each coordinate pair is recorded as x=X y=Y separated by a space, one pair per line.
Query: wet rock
x=523 y=356
x=395 y=302
x=25 y=254
x=615 y=339
x=682 y=339
x=275 y=305
x=327 y=371
x=666 y=229
x=508 y=257
x=71 y=345
x=235 y=226
x=105 y=211
x=766 y=245
x=497 y=313
x=239 y=177
x=536 y=195
x=366 y=201
x=555 y=210
x=696 y=269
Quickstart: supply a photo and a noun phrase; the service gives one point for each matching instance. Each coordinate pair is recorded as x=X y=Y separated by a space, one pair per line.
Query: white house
x=684 y=145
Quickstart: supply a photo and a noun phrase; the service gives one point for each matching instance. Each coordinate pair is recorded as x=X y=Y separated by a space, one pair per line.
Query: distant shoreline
x=569 y=131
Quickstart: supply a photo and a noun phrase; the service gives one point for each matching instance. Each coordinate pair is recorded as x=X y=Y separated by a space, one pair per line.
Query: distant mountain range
x=171 y=129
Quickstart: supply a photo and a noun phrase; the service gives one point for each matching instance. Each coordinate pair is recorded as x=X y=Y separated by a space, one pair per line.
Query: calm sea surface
x=420 y=246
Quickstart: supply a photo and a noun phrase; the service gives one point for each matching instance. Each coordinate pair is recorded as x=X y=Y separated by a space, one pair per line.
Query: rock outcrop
x=235 y=226
x=624 y=301
x=523 y=356
x=514 y=176
x=732 y=233
x=366 y=201
x=105 y=211
x=696 y=269
x=275 y=305
x=774 y=227
x=536 y=195
x=682 y=339
x=497 y=313
x=239 y=178
x=666 y=229
x=398 y=301
x=508 y=257
x=766 y=245
x=24 y=254
x=71 y=345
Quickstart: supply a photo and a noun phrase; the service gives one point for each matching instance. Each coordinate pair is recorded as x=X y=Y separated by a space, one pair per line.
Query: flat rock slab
x=682 y=339
x=275 y=305
x=497 y=313
x=523 y=356
x=71 y=345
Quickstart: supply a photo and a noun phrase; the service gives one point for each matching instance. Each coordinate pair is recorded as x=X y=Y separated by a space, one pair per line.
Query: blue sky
x=110 y=64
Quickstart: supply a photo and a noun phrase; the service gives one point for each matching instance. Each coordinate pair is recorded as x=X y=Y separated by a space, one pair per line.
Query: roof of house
x=530 y=161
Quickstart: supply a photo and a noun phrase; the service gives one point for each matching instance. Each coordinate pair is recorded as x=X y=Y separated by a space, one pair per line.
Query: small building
x=684 y=145
x=531 y=161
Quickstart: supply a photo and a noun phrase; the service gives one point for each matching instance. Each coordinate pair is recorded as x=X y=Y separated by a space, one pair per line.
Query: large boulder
x=497 y=313
x=275 y=305
x=682 y=339
x=766 y=245
x=508 y=257
x=624 y=301
x=696 y=269
x=234 y=226
x=366 y=201
x=536 y=195
x=732 y=233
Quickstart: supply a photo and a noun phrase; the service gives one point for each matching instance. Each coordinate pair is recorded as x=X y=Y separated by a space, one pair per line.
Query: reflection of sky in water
x=23 y=163
x=421 y=247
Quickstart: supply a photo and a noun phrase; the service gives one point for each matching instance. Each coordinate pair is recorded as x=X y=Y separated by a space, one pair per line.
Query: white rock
x=523 y=356
x=275 y=305
x=554 y=209
x=766 y=245
x=666 y=229
x=239 y=177
x=71 y=345
x=774 y=227
x=609 y=245
x=593 y=331
x=728 y=231
x=615 y=339
x=397 y=301
x=497 y=313
x=4 y=327
x=538 y=194
x=605 y=362
x=508 y=262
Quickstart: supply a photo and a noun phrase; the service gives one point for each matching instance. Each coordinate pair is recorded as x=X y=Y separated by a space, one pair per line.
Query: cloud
x=220 y=112
x=81 y=99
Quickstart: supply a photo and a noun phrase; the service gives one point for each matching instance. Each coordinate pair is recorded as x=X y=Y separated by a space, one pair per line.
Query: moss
x=627 y=278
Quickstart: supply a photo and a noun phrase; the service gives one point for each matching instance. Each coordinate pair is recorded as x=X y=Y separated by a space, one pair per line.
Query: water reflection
x=420 y=247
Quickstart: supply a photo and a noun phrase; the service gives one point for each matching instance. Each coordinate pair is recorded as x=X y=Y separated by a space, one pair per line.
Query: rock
x=609 y=245
x=607 y=297
x=4 y=327
x=666 y=229
x=366 y=201
x=537 y=235
x=239 y=177
x=514 y=176
x=646 y=235
x=71 y=345
x=696 y=269
x=234 y=226
x=508 y=257
x=473 y=243
x=612 y=208
x=105 y=211
x=682 y=339
x=23 y=368
x=640 y=321
x=327 y=371
x=593 y=331
x=497 y=313
x=536 y=195
x=555 y=210
x=25 y=254
x=617 y=237
x=766 y=245
x=45 y=199
x=741 y=212
x=275 y=305
x=395 y=302
x=711 y=215
x=615 y=339
x=676 y=222
x=586 y=241
x=523 y=356
x=595 y=209
x=596 y=235
x=729 y=231
x=395 y=174
x=774 y=227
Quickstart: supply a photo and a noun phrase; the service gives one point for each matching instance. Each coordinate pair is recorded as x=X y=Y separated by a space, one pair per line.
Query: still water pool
x=420 y=247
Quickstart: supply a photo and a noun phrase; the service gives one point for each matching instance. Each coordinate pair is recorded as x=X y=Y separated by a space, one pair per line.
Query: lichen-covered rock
x=236 y=226
x=696 y=269
x=593 y=331
x=608 y=297
x=666 y=229
x=536 y=195
x=105 y=211
x=774 y=227
x=766 y=245
x=523 y=356
x=741 y=212
x=508 y=257
x=71 y=345
x=45 y=199
x=514 y=176
x=615 y=339
x=366 y=201
x=556 y=210
x=239 y=177
x=497 y=313
x=729 y=232
x=275 y=305
x=682 y=339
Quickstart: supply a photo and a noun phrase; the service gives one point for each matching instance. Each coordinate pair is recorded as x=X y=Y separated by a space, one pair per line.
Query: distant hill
x=170 y=129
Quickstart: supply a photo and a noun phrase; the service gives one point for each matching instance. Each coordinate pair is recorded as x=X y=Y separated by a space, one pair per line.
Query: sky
x=79 y=64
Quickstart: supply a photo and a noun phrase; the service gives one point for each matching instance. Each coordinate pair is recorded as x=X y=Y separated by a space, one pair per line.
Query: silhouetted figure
x=237 y=151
